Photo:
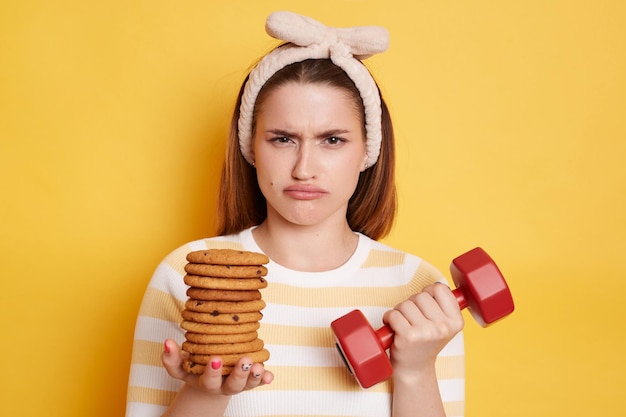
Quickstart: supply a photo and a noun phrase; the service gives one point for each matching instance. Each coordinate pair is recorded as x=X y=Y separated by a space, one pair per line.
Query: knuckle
x=422 y=297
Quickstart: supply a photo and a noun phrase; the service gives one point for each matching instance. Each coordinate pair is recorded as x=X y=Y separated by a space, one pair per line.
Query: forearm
x=417 y=395
x=190 y=402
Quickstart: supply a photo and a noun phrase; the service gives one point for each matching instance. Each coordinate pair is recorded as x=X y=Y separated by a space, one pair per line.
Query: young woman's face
x=309 y=150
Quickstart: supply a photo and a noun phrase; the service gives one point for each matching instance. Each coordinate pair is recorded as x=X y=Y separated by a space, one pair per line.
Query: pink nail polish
x=216 y=364
x=166 y=347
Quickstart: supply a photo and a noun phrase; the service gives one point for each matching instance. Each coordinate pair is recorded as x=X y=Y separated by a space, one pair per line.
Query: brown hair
x=372 y=207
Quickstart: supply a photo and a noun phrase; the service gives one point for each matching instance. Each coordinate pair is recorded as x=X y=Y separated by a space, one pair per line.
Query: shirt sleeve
x=450 y=363
x=150 y=388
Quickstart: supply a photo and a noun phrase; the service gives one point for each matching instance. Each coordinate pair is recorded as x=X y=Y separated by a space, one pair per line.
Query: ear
x=252 y=155
x=364 y=162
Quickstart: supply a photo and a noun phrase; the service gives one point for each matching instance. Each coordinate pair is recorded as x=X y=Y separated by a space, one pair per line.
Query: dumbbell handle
x=385 y=334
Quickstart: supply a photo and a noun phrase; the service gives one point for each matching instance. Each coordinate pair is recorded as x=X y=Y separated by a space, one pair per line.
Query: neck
x=306 y=248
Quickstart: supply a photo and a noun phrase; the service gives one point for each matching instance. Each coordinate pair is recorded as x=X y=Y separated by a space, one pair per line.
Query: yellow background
x=510 y=119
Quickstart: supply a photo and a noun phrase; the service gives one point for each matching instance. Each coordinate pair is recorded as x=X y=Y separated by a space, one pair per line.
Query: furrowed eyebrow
x=323 y=135
x=333 y=132
x=279 y=132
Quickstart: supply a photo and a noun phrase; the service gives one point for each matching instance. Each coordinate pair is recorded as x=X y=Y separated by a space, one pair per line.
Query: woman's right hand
x=246 y=375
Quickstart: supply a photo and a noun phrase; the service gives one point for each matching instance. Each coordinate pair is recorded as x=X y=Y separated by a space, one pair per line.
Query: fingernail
x=246 y=367
x=256 y=375
x=216 y=364
x=166 y=347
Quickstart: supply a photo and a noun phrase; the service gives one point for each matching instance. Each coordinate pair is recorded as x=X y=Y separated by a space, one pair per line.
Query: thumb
x=172 y=358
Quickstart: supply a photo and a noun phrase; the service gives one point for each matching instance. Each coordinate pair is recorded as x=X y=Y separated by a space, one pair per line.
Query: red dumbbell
x=480 y=287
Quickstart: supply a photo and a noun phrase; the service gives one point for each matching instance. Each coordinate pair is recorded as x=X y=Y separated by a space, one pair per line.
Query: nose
x=305 y=162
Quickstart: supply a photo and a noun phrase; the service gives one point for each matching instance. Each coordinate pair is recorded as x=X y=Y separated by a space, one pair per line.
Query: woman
x=309 y=181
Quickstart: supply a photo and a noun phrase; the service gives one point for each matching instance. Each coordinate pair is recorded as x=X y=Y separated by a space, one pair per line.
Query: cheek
x=262 y=153
x=359 y=161
x=266 y=177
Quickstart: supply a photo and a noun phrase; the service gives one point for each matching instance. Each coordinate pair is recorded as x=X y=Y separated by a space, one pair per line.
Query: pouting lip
x=304 y=192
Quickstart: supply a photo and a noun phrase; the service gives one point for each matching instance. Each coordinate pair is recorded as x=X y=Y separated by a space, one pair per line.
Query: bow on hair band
x=310 y=39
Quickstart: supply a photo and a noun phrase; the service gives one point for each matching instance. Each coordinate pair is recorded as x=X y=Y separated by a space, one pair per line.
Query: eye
x=334 y=140
x=280 y=139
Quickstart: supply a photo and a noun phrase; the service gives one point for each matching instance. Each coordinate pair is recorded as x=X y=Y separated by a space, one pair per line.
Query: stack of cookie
x=221 y=316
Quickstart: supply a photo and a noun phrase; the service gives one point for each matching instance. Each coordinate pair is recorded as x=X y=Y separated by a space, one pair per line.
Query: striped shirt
x=310 y=376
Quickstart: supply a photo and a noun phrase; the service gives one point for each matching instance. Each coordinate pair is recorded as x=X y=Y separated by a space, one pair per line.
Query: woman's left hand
x=423 y=325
